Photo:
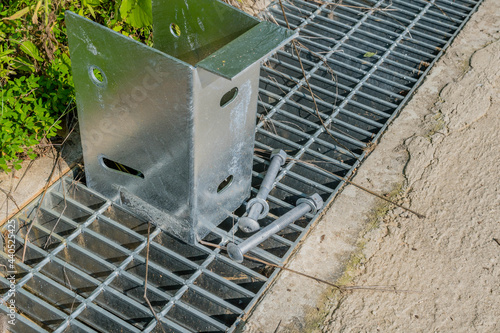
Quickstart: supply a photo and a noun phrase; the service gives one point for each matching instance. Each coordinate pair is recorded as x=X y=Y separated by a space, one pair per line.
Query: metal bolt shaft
x=304 y=206
x=255 y=211
x=278 y=159
x=258 y=207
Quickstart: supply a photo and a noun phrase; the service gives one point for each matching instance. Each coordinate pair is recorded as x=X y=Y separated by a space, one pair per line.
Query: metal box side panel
x=224 y=146
x=201 y=27
x=140 y=116
x=249 y=48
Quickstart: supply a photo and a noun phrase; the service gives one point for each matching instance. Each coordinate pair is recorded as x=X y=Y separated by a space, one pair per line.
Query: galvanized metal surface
x=258 y=208
x=201 y=29
x=90 y=277
x=304 y=205
x=185 y=130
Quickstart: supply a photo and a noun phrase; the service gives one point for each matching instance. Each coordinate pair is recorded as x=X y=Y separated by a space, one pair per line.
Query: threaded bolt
x=258 y=207
x=304 y=205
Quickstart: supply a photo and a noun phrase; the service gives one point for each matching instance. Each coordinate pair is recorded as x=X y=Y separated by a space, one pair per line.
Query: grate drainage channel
x=85 y=263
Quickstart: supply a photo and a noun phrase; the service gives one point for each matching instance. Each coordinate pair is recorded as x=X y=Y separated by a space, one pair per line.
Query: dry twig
x=336 y=286
x=26 y=239
x=361 y=188
x=309 y=86
x=327 y=131
x=145 y=296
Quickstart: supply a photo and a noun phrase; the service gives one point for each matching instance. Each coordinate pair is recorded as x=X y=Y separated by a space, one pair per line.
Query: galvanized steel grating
x=85 y=262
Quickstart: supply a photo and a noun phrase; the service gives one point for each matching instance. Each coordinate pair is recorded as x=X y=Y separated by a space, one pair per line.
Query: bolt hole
x=97 y=76
x=175 y=30
x=228 y=97
x=225 y=184
x=113 y=165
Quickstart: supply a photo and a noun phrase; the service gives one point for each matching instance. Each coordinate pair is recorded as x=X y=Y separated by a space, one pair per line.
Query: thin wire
x=361 y=188
x=327 y=131
x=336 y=286
x=145 y=296
x=309 y=86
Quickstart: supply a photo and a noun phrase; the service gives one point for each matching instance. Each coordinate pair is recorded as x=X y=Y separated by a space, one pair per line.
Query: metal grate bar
x=318 y=64
x=435 y=9
x=87 y=303
x=49 y=256
x=381 y=59
x=320 y=46
x=380 y=28
x=359 y=40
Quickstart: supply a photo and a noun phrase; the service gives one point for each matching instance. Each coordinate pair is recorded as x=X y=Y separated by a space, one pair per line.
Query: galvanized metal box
x=169 y=131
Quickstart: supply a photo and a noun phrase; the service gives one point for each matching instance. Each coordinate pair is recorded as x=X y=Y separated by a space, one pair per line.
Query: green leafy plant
x=369 y=54
x=36 y=85
x=26 y=121
x=137 y=13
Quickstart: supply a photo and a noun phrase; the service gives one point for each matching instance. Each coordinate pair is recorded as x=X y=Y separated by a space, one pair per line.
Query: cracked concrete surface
x=450 y=261
x=443 y=148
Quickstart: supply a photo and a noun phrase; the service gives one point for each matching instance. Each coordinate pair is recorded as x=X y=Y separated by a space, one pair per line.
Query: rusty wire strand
x=336 y=286
x=361 y=188
x=309 y=86
x=324 y=126
x=145 y=296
